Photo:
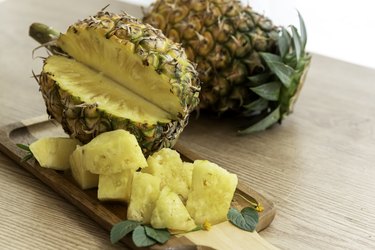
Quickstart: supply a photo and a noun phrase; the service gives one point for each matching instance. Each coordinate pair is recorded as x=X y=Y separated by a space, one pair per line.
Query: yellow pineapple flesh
x=94 y=87
x=113 y=152
x=115 y=187
x=144 y=193
x=83 y=178
x=171 y=213
x=53 y=152
x=212 y=191
x=167 y=164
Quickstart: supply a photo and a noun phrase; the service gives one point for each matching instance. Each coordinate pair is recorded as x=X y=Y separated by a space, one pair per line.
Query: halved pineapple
x=212 y=192
x=167 y=164
x=113 y=152
x=83 y=177
x=145 y=192
x=117 y=73
x=115 y=187
x=171 y=213
x=53 y=152
x=95 y=88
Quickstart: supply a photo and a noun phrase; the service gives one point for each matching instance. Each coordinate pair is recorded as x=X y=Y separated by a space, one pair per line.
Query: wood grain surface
x=318 y=167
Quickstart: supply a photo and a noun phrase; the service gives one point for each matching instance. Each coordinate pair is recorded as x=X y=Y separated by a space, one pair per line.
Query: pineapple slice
x=84 y=178
x=167 y=164
x=144 y=193
x=212 y=192
x=171 y=213
x=115 y=187
x=53 y=152
x=113 y=152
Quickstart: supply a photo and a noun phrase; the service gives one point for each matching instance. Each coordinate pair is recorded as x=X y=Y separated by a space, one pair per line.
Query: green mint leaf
x=27 y=157
x=27 y=149
x=121 y=229
x=160 y=235
x=140 y=237
x=247 y=219
x=23 y=146
x=251 y=217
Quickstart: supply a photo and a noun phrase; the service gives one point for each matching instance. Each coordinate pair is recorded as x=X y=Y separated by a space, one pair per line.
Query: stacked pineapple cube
x=162 y=191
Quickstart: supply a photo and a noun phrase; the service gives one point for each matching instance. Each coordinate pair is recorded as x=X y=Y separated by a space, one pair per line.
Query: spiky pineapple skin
x=224 y=38
x=85 y=121
x=230 y=43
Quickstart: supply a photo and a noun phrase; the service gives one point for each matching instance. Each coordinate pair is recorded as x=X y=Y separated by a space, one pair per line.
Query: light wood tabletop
x=318 y=166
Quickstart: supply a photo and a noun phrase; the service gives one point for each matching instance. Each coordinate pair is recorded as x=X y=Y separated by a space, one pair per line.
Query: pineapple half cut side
x=113 y=72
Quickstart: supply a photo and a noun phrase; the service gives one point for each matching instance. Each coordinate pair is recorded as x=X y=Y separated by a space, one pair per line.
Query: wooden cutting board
x=222 y=236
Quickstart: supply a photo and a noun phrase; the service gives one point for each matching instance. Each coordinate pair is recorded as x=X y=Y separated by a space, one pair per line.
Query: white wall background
x=339 y=29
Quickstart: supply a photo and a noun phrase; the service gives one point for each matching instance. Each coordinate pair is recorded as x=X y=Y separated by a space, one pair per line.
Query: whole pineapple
x=247 y=65
x=111 y=71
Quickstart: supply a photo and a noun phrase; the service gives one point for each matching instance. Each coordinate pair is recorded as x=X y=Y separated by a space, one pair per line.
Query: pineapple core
x=94 y=87
x=123 y=67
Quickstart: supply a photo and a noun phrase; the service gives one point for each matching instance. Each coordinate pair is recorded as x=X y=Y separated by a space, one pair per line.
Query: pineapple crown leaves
x=285 y=81
x=29 y=154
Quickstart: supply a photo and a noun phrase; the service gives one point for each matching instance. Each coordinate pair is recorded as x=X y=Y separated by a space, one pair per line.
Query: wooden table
x=318 y=167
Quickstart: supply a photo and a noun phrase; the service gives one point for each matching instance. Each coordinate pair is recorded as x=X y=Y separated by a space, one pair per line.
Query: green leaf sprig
x=143 y=236
x=247 y=219
x=29 y=154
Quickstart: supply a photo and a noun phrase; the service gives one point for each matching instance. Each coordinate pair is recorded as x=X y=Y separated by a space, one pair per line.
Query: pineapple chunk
x=145 y=192
x=167 y=164
x=212 y=191
x=115 y=187
x=171 y=213
x=84 y=178
x=54 y=152
x=113 y=152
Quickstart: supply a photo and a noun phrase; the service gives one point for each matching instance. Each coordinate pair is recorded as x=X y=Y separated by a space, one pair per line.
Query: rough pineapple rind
x=115 y=187
x=83 y=177
x=230 y=43
x=171 y=213
x=86 y=120
x=212 y=191
x=113 y=152
x=167 y=164
x=145 y=192
x=224 y=38
x=53 y=152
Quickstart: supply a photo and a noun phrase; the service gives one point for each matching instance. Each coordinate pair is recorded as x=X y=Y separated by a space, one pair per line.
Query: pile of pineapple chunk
x=161 y=190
